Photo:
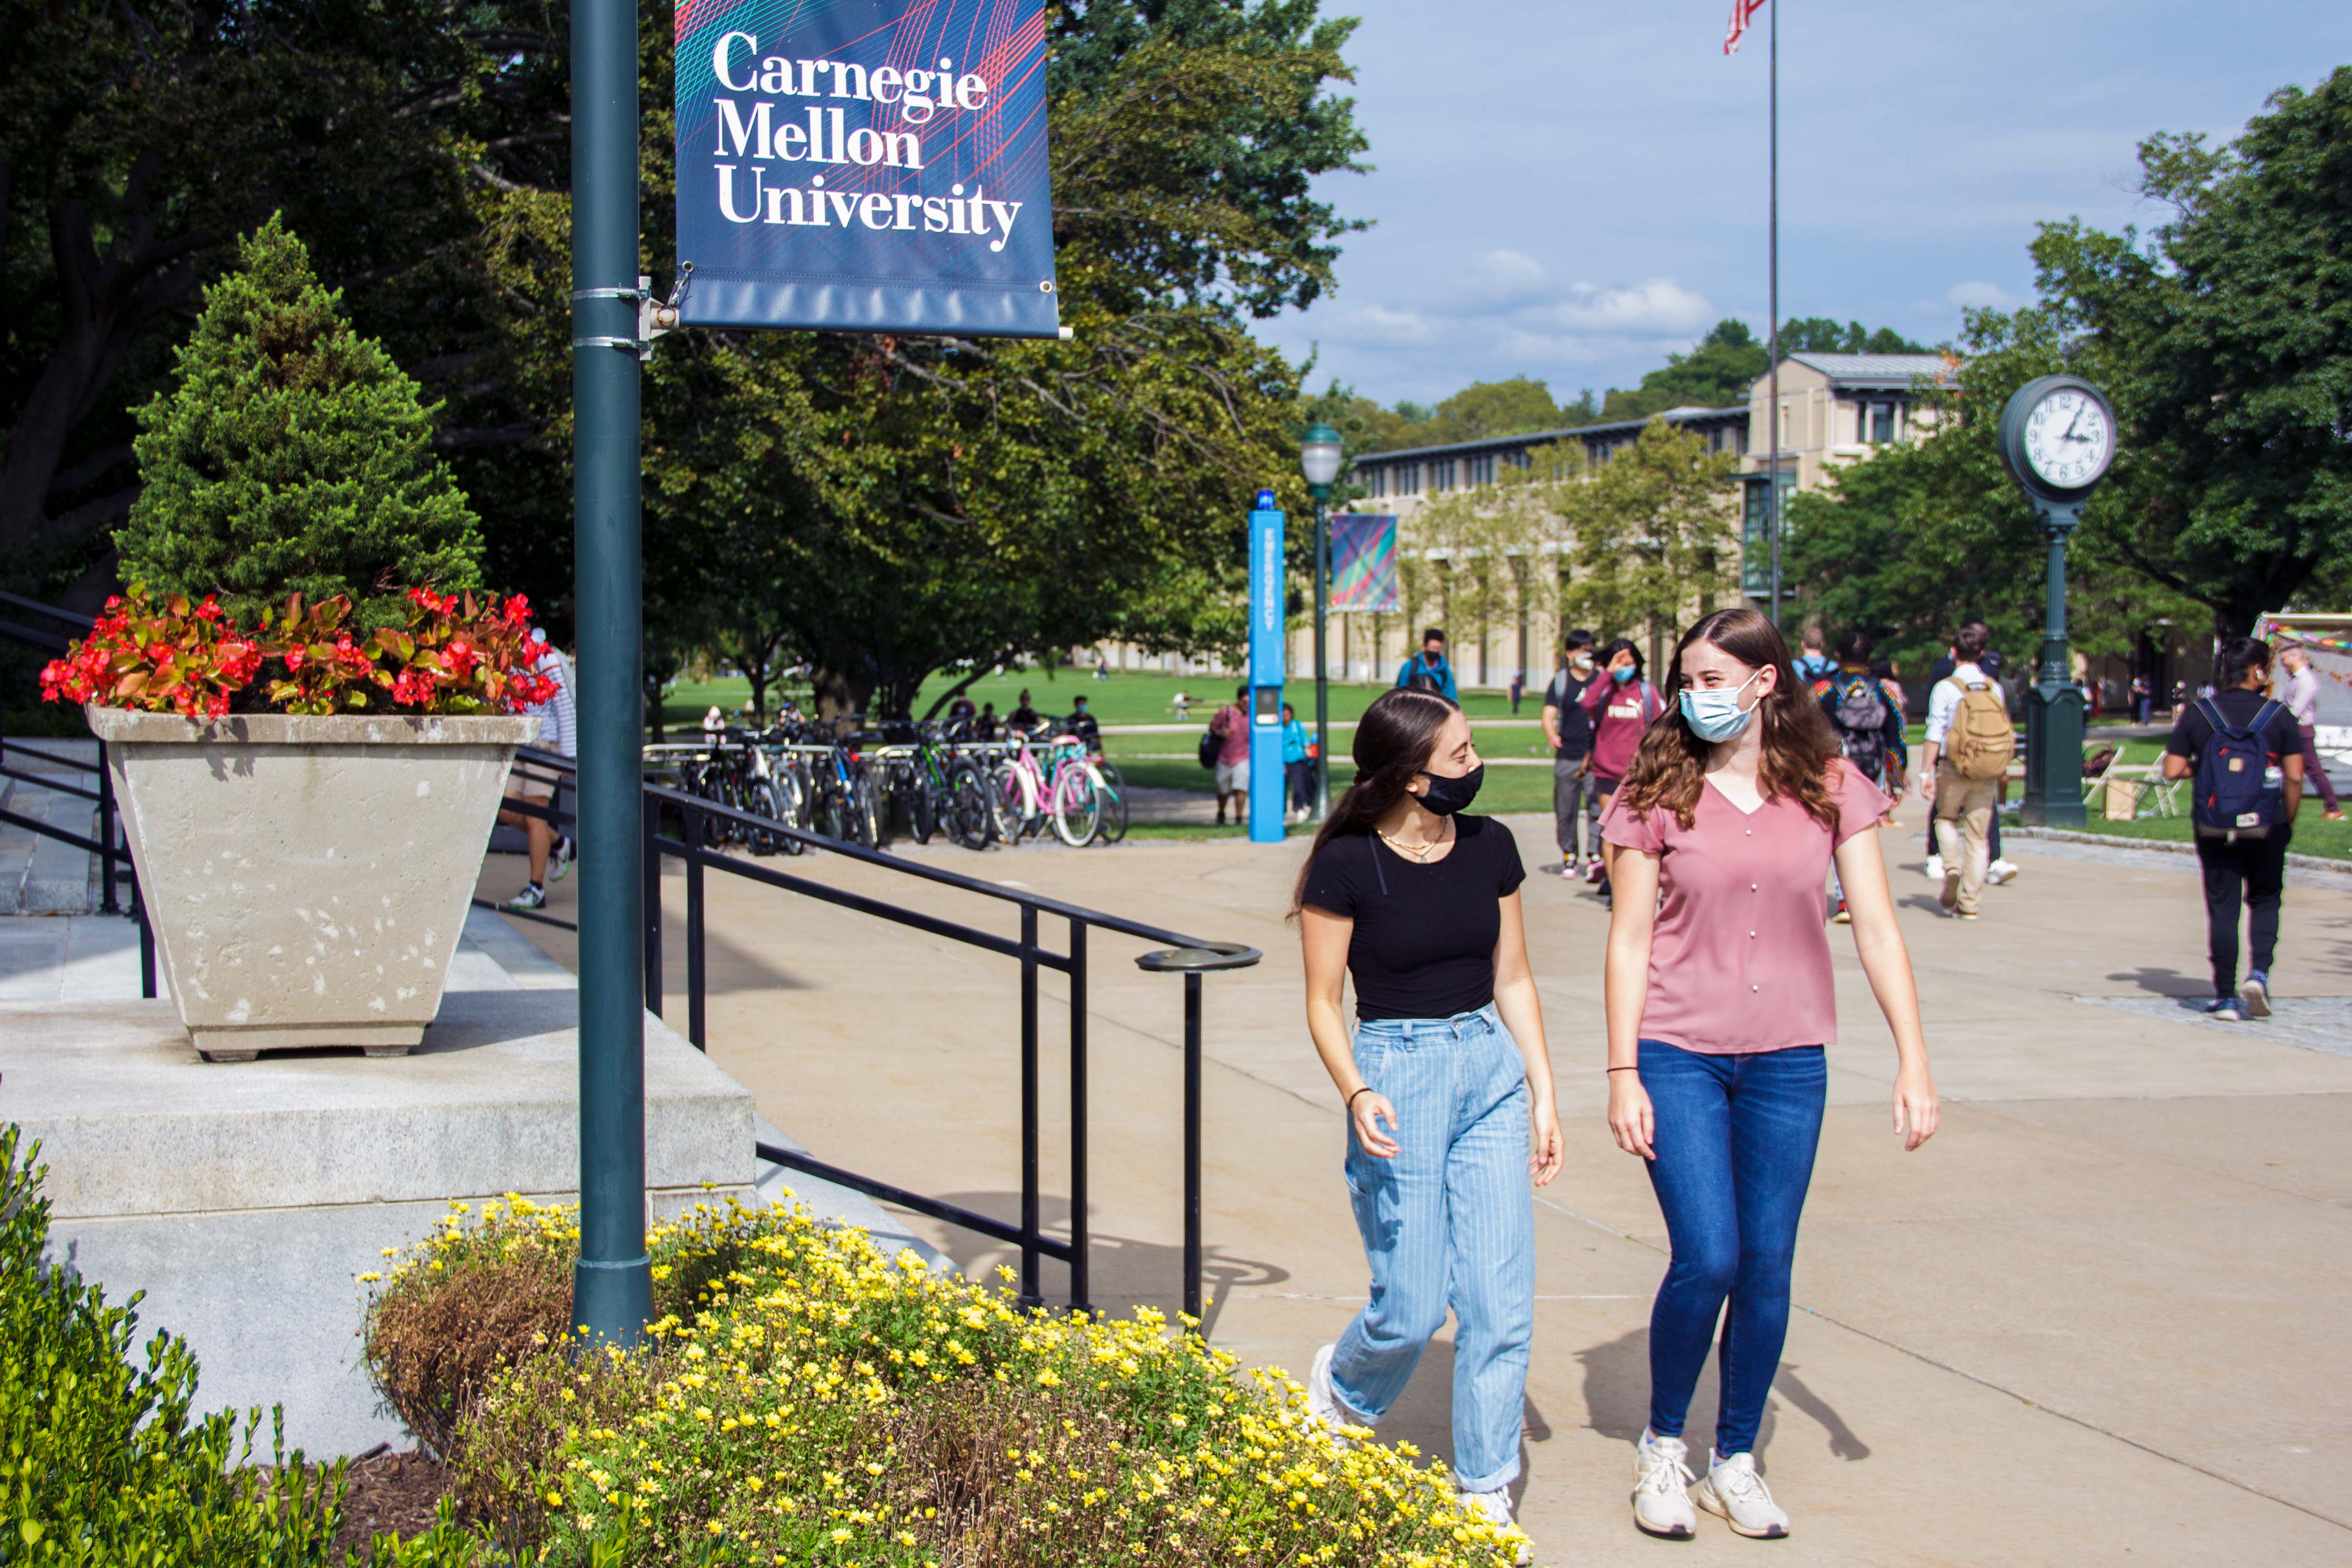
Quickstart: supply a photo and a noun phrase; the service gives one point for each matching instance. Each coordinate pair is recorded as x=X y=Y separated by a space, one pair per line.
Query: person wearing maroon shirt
x=1720 y=1004
x=1621 y=705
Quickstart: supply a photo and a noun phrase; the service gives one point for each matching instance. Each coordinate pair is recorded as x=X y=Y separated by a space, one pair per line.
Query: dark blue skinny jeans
x=1734 y=1143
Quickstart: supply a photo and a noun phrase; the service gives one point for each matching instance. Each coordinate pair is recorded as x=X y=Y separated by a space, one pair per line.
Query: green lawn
x=2312 y=835
x=1505 y=789
x=1129 y=698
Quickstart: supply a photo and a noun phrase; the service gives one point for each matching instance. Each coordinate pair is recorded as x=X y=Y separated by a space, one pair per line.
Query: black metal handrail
x=111 y=852
x=1185 y=955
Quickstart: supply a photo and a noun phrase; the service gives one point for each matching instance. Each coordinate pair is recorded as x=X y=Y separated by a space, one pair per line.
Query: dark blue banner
x=864 y=165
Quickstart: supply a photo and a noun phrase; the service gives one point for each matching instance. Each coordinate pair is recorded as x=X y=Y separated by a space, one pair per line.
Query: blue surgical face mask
x=1622 y=674
x=1716 y=716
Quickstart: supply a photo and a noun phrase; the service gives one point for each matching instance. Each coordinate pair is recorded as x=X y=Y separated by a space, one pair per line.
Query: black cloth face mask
x=1448 y=795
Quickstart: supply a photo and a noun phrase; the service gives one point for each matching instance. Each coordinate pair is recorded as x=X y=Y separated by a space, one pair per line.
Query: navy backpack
x=2240 y=789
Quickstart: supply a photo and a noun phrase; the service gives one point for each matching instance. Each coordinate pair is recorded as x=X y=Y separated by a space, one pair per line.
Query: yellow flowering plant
x=809 y=1398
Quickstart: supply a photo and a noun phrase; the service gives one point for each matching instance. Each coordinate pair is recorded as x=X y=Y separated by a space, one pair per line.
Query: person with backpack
x=1568 y=730
x=2246 y=753
x=1226 y=749
x=1620 y=707
x=2301 y=695
x=1427 y=671
x=1811 y=663
x=1964 y=762
x=1867 y=716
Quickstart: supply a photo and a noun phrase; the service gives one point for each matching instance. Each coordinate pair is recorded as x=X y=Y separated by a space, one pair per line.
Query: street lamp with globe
x=1320 y=457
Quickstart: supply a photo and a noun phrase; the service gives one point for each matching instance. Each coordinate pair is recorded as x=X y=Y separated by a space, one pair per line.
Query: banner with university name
x=864 y=165
x=1363 y=562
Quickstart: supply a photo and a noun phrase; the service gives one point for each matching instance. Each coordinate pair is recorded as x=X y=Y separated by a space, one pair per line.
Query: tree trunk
x=840 y=692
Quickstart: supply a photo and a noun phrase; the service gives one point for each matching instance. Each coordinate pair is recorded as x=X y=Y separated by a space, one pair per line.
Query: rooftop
x=1874 y=370
x=1581 y=432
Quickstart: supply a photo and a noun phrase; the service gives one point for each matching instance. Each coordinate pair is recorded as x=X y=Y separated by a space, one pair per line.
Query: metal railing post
x=106 y=903
x=1030 y=1293
x=695 y=1021
x=146 y=940
x=1080 y=1302
x=1192 y=1145
x=652 y=907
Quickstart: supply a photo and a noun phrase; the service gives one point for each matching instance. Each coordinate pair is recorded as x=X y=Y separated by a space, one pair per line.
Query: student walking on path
x=1866 y=712
x=1965 y=763
x=1230 y=726
x=1568 y=731
x=1428 y=670
x=1721 y=1006
x=1621 y=709
x=1448 y=1083
x=1298 y=764
x=2301 y=695
x=2246 y=753
x=559 y=731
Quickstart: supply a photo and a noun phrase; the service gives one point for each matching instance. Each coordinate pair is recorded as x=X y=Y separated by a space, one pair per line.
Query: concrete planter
x=307 y=878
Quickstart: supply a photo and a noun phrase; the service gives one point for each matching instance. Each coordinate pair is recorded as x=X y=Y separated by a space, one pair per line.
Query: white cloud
x=1379 y=326
x=1982 y=296
x=1660 y=307
x=1506 y=278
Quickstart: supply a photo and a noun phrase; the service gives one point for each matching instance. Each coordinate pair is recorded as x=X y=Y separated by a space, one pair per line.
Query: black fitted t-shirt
x=2237 y=708
x=1424 y=946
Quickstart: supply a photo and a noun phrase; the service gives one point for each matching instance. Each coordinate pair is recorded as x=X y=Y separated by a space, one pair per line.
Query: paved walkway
x=2102 y=1318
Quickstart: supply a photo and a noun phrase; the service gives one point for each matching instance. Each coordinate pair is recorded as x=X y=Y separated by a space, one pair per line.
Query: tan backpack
x=1981 y=741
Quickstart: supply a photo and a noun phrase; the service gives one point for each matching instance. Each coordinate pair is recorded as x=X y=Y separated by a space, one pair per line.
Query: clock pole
x=2033 y=445
x=2053 y=708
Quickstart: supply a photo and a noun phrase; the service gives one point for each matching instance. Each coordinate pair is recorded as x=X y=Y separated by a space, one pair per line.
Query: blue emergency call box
x=1266 y=651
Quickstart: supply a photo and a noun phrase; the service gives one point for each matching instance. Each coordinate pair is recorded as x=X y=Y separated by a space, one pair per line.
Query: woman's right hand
x=1630 y=1121
x=1621 y=660
x=1368 y=1111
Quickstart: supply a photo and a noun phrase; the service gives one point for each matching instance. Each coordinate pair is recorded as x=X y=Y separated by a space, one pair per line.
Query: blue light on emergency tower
x=1265 y=781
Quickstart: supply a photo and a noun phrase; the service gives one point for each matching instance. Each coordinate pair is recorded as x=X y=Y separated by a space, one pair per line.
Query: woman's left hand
x=1543 y=1160
x=1917 y=1108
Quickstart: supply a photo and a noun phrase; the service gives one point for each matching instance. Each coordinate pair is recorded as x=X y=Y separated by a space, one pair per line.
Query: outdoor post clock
x=2057 y=439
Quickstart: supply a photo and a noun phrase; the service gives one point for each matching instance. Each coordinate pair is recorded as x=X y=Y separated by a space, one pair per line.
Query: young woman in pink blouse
x=1720 y=1004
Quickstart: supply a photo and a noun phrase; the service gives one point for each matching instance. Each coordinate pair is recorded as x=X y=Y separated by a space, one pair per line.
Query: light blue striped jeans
x=1449 y=1219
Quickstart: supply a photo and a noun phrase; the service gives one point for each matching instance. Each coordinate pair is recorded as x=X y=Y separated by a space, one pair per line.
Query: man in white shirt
x=1967 y=803
x=2301 y=695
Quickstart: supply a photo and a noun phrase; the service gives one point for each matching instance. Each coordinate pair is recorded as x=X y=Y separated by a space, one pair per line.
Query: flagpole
x=1772 y=224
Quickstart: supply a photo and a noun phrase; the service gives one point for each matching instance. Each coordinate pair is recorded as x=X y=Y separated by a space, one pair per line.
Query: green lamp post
x=2057 y=439
x=1319 y=456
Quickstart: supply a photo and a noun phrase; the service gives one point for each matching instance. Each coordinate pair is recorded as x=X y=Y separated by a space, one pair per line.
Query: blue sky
x=1570 y=191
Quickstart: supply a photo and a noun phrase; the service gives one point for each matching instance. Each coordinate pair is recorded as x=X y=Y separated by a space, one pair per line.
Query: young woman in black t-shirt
x=1445 y=1078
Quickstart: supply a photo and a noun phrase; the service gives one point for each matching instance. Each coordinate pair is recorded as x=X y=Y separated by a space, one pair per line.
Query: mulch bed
x=389 y=1493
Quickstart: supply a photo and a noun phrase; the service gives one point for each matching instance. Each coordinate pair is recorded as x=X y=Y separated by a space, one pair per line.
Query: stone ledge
x=132 y=1122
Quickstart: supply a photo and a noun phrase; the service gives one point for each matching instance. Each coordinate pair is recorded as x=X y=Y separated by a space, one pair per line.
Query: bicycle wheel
x=866 y=815
x=760 y=799
x=1077 y=807
x=923 y=805
x=792 y=810
x=1006 y=816
x=1113 y=791
x=969 y=822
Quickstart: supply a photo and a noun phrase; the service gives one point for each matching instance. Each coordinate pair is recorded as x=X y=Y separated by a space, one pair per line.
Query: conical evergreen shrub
x=293 y=454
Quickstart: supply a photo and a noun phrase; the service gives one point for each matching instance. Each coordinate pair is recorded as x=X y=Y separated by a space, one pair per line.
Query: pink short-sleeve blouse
x=1741 y=961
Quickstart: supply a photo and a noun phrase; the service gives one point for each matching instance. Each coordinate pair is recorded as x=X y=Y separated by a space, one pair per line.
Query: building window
x=1882 y=422
x=1441 y=475
x=1482 y=469
x=1408 y=479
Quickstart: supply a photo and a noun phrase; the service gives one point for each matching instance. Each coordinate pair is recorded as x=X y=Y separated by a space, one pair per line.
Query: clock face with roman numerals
x=2069 y=438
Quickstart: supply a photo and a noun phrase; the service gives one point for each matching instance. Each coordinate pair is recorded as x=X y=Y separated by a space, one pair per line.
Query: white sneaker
x=2002 y=871
x=1323 y=1400
x=1733 y=1489
x=1935 y=868
x=1662 y=1504
x=1494 y=1507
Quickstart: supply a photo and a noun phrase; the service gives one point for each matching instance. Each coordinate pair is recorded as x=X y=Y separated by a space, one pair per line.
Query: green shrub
x=100 y=1464
x=808 y=1400
x=293 y=456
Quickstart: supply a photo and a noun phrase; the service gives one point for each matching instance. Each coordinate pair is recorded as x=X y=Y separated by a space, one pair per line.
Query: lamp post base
x=2053 y=752
x=613 y=1302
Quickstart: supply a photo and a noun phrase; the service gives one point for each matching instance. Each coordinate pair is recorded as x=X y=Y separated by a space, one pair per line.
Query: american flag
x=1742 y=12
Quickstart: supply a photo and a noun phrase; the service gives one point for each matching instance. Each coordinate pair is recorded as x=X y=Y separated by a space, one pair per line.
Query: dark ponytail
x=1394 y=740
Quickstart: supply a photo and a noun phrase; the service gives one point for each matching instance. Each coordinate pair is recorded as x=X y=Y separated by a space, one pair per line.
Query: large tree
x=2226 y=340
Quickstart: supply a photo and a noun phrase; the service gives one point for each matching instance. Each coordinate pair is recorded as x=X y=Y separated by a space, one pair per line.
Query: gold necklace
x=1420 y=852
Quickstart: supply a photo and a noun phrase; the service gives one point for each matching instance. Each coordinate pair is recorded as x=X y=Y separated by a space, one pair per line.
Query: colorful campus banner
x=864 y=165
x=1363 y=562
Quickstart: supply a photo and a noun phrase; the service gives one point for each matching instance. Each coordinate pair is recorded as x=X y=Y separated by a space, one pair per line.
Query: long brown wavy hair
x=1393 y=742
x=1670 y=768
